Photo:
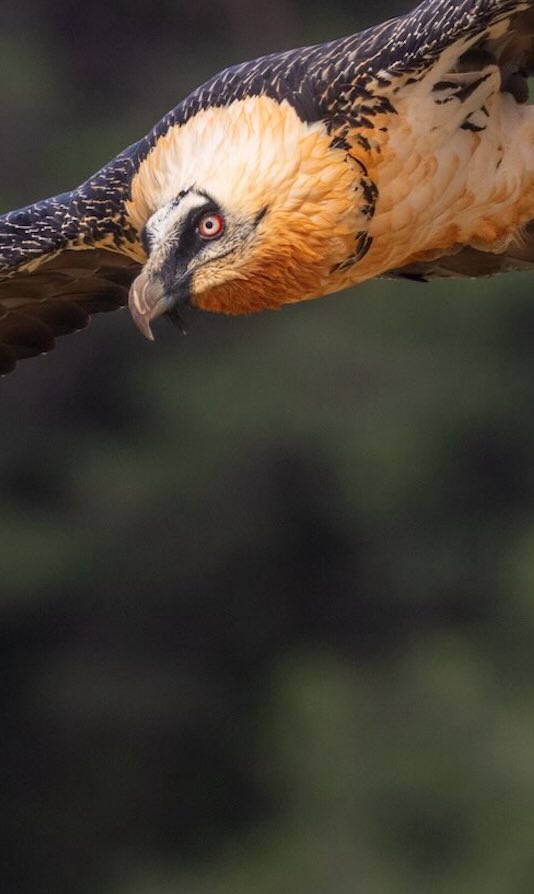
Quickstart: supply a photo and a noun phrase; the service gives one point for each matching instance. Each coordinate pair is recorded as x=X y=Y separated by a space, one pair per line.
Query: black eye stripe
x=188 y=241
x=196 y=214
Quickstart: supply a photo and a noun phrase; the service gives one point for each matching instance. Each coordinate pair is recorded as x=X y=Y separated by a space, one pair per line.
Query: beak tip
x=145 y=304
x=143 y=324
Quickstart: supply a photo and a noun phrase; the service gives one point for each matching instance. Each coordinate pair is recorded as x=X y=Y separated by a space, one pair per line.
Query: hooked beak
x=148 y=300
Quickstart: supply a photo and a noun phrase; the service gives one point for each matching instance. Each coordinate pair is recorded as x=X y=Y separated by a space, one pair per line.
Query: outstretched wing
x=382 y=60
x=336 y=79
x=65 y=258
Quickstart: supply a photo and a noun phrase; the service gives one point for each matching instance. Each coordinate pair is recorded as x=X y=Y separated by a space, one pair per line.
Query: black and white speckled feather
x=324 y=80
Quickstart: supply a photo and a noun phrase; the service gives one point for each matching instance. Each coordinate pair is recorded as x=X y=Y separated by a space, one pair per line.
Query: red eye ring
x=211 y=226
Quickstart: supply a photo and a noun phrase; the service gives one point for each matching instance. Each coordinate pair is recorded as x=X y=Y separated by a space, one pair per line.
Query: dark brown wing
x=65 y=258
x=469 y=262
x=58 y=298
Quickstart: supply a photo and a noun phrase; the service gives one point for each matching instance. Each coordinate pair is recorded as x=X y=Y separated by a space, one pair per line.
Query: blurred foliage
x=266 y=606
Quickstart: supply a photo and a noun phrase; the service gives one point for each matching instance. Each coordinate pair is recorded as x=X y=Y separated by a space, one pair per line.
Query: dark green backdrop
x=266 y=592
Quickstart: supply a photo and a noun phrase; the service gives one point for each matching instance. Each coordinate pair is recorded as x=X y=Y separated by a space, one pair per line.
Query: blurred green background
x=266 y=592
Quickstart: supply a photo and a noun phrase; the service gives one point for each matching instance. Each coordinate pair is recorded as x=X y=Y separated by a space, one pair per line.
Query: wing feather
x=334 y=78
x=469 y=262
x=64 y=259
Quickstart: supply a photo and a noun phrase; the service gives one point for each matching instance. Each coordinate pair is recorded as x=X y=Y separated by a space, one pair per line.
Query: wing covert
x=65 y=258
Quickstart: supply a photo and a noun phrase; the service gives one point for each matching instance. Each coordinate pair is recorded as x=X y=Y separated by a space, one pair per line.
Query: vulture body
x=406 y=150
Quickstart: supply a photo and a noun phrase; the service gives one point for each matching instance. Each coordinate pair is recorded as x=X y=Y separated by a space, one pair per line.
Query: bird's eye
x=211 y=226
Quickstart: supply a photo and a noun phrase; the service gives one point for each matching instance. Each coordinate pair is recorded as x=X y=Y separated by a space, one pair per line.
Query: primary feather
x=406 y=150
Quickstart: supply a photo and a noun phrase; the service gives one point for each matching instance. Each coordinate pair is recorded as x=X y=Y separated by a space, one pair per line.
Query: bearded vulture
x=405 y=150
